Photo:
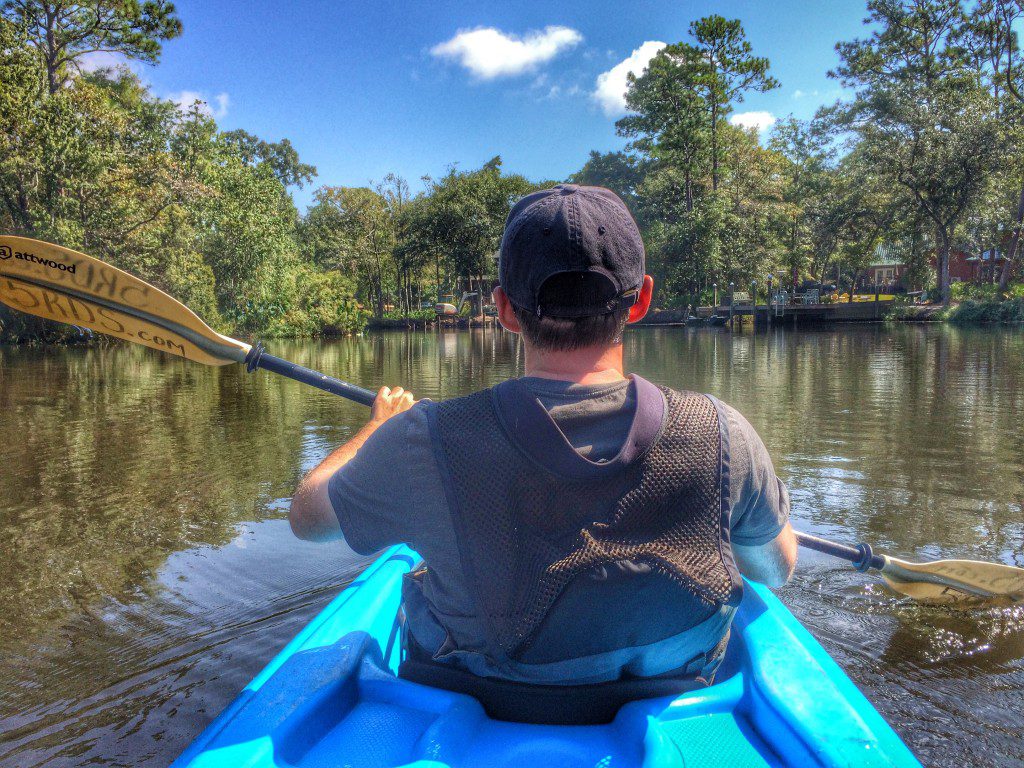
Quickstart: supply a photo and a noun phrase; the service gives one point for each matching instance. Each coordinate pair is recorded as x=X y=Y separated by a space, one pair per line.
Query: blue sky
x=365 y=88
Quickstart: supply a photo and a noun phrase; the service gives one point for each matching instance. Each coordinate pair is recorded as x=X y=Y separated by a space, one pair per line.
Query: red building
x=983 y=268
x=886 y=273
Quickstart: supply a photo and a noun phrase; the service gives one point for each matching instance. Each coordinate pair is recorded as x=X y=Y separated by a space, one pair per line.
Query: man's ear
x=506 y=315
x=643 y=301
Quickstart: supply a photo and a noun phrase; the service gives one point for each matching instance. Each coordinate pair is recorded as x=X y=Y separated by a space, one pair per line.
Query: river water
x=147 y=571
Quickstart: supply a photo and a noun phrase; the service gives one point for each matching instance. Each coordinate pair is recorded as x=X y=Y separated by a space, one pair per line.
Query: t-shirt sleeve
x=377 y=493
x=760 y=500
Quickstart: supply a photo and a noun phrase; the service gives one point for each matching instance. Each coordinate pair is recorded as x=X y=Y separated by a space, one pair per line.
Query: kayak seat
x=545 y=704
x=594 y=704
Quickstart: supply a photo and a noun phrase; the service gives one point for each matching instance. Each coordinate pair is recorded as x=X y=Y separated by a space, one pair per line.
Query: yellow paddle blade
x=59 y=284
x=955 y=581
x=49 y=304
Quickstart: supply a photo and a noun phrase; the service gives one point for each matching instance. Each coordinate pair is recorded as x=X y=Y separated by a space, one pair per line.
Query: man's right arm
x=764 y=544
x=771 y=564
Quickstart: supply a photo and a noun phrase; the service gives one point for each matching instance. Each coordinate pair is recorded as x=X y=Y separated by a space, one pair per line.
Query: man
x=578 y=526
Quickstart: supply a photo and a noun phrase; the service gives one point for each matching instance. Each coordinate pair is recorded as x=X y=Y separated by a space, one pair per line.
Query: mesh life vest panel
x=566 y=557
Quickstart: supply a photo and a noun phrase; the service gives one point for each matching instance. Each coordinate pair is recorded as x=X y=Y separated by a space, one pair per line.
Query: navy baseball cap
x=583 y=235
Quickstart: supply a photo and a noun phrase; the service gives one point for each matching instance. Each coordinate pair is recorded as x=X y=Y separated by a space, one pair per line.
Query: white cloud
x=833 y=93
x=610 y=92
x=223 y=100
x=217 y=107
x=97 y=60
x=762 y=121
x=489 y=53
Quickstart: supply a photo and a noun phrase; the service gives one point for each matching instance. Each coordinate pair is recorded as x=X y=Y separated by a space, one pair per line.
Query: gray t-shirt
x=391 y=490
x=594 y=419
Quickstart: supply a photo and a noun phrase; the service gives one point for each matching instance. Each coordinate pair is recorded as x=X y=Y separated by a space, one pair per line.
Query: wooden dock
x=783 y=315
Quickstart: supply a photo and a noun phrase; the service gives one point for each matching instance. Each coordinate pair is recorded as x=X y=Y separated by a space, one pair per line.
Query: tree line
x=923 y=157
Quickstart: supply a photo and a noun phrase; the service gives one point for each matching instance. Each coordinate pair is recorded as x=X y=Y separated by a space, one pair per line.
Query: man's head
x=571 y=269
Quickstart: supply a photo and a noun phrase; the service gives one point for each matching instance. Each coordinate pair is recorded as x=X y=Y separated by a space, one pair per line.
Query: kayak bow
x=331 y=698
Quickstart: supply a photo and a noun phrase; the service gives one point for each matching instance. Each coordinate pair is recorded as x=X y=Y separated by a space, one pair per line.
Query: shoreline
x=967 y=313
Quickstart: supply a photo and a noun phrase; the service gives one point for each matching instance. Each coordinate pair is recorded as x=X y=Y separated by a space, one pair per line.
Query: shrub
x=991 y=311
x=325 y=304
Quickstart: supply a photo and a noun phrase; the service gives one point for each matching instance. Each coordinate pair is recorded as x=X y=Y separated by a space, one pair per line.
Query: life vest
x=567 y=558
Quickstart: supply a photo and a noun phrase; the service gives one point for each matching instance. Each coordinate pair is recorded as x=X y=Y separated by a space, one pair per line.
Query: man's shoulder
x=405 y=430
x=469 y=396
x=457 y=407
x=414 y=420
x=740 y=429
x=741 y=434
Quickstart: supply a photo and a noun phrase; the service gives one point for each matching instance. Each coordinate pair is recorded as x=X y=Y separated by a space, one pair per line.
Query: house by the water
x=887 y=270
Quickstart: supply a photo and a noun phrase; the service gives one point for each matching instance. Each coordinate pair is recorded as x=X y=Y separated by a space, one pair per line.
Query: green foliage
x=280 y=156
x=685 y=251
x=250 y=244
x=102 y=166
x=206 y=216
x=709 y=198
x=984 y=292
x=620 y=172
x=926 y=158
x=63 y=32
x=924 y=118
x=731 y=70
x=992 y=311
x=353 y=228
x=455 y=226
x=416 y=314
x=326 y=306
x=191 y=280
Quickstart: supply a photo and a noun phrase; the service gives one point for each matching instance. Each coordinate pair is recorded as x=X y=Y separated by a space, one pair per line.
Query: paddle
x=60 y=284
x=938 y=581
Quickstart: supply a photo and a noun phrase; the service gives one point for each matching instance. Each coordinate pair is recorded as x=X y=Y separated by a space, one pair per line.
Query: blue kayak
x=331 y=698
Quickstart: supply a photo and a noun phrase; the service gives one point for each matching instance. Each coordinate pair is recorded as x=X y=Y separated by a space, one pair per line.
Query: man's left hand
x=312 y=514
x=390 y=402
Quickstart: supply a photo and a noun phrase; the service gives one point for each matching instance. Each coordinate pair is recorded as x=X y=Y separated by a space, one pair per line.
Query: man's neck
x=592 y=365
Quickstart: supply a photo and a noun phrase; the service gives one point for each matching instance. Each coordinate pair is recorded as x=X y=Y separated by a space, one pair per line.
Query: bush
x=991 y=311
x=326 y=305
x=981 y=292
x=973 y=292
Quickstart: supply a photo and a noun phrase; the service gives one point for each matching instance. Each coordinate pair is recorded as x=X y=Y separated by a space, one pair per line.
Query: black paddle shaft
x=258 y=358
x=861 y=556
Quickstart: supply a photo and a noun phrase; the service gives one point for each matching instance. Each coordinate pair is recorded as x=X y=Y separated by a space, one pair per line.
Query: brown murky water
x=147 y=572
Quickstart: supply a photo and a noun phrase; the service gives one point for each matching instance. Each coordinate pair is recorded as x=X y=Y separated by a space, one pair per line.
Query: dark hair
x=568 y=333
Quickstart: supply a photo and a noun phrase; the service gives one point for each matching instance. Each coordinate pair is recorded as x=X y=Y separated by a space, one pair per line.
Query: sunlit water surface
x=148 y=571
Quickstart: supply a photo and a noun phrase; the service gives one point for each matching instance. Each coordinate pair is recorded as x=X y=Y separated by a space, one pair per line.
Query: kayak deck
x=330 y=698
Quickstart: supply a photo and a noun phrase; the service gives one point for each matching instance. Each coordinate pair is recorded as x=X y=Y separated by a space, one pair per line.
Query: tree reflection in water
x=148 y=572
